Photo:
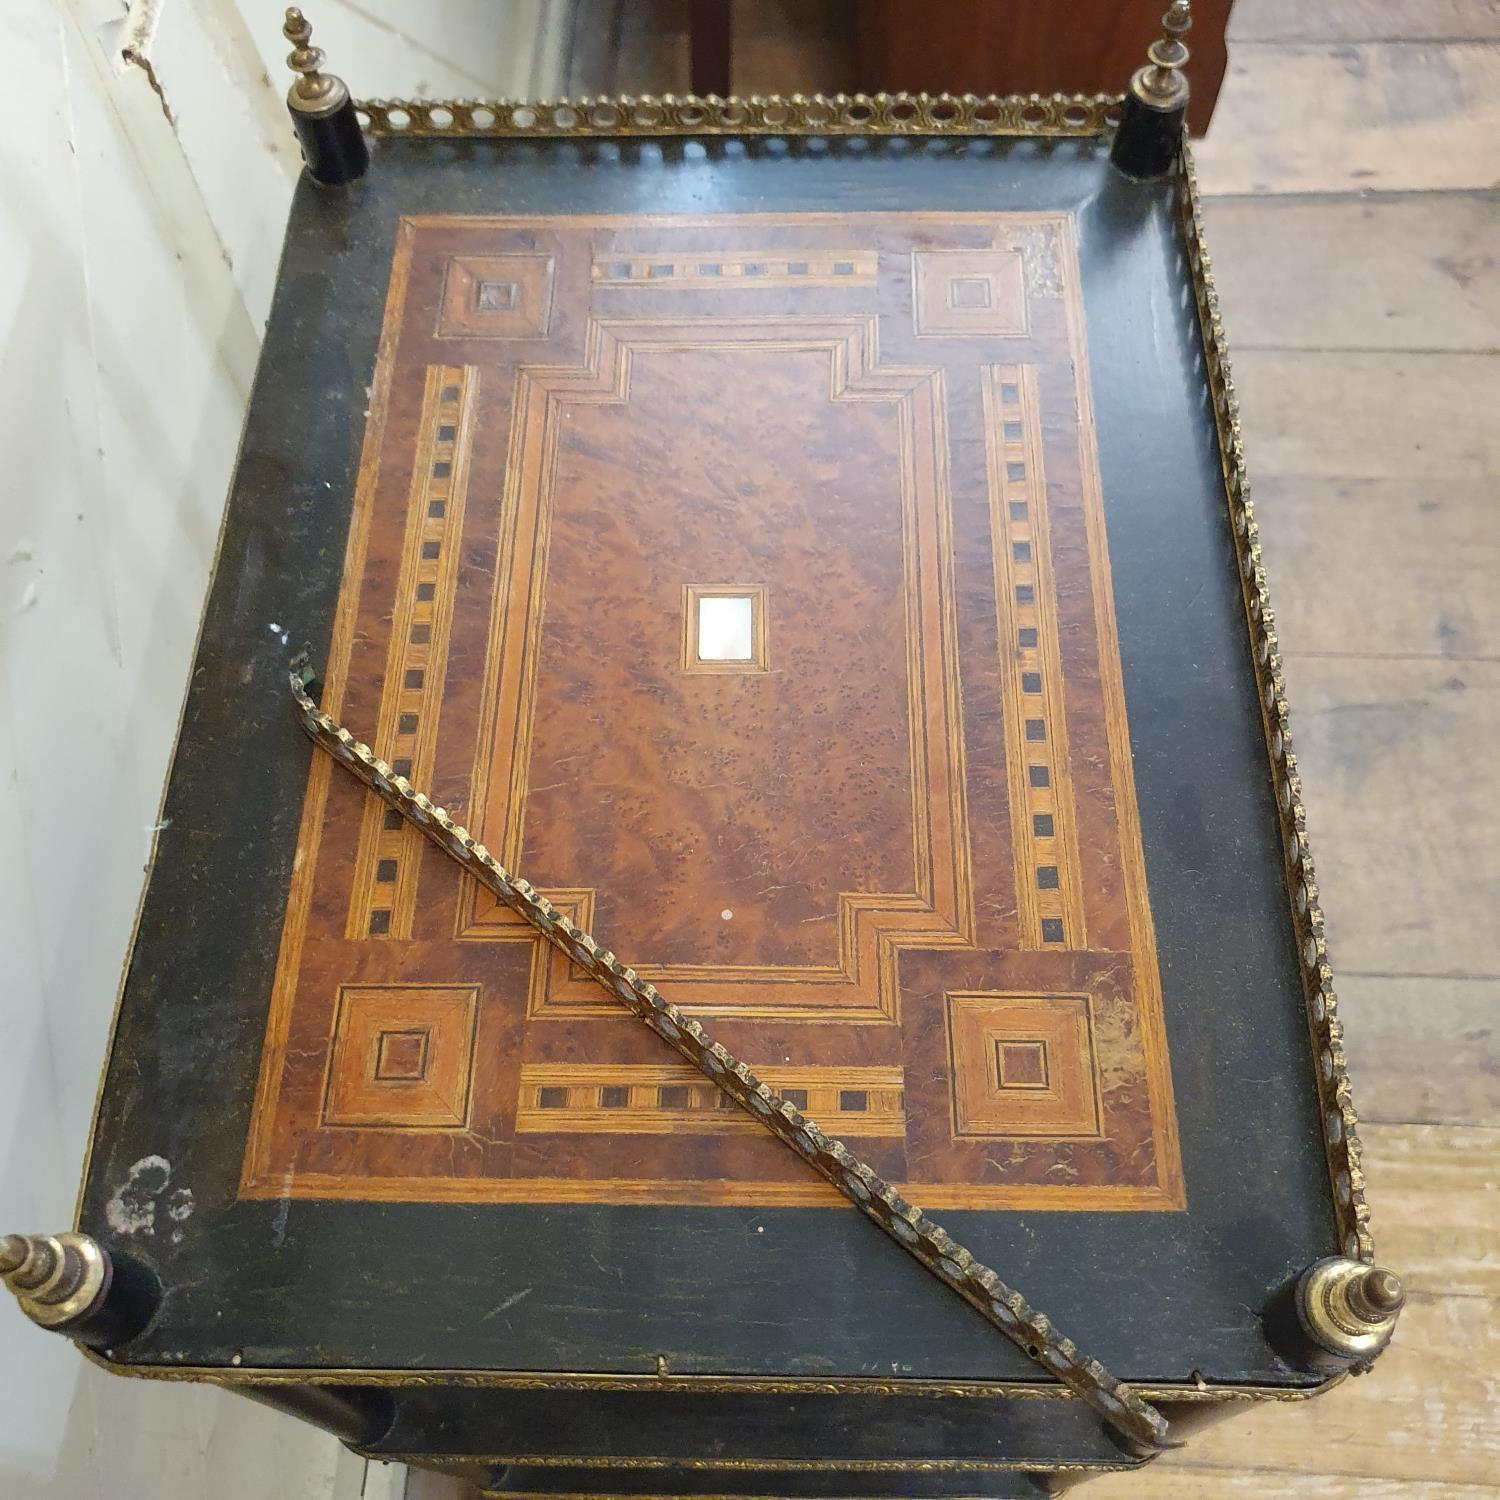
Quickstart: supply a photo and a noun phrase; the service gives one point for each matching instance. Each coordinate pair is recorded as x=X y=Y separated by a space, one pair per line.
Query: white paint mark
x=159 y=827
x=505 y=1306
x=726 y=915
x=283 y=1212
x=179 y=1205
x=132 y=1209
x=28 y=598
x=274 y=628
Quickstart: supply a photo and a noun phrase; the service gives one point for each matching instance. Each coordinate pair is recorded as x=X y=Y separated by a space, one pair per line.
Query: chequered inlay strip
x=1049 y=888
x=385 y=877
x=737 y=270
x=601 y=1099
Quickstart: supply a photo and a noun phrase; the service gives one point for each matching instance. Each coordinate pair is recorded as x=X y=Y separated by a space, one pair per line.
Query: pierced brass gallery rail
x=1340 y=1124
x=774 y=114
x=1141 y=1425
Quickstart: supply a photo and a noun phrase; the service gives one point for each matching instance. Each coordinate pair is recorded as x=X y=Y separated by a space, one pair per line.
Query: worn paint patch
x=142 y=1199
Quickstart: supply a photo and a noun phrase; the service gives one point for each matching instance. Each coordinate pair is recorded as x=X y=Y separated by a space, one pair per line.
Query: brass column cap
x=1348 y=1308
x=1161 y=84
x=314 y=92
x=58 y=1279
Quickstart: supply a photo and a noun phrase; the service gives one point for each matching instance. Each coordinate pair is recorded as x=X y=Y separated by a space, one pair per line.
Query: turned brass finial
x=1161 y=83
x=59 y=1279
x=1349 y=1308
x=314 y=91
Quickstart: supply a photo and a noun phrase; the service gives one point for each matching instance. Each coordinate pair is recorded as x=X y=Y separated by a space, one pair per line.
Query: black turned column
x=1151 y=128
x=322 y=112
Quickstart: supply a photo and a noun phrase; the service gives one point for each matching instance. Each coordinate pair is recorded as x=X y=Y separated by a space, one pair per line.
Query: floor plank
x=1173 y=1479
x=1411 y=271
x=1435 y=1201
x=1423 y=1050
x=1364 y=415
x=1396 y=567
x=1426 y=1413
x=1369 y=115
x=1364 y=20
x=1399 y=762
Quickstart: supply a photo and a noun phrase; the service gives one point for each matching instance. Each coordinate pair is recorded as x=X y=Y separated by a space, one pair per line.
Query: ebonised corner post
x=1337 y=1316
x=1152 y=122
x=71 y=1284
x=322 y=111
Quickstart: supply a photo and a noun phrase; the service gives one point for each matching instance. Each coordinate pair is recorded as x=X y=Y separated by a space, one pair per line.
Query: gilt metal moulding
x=770 y=115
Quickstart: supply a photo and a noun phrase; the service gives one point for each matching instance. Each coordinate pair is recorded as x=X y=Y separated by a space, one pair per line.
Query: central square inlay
x=723 y=629
x=401 y=1055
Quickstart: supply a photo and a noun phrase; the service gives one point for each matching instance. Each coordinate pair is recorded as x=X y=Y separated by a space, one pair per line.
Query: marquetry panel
x=765 y=628
x=891 y=561
x=1022 y=1065
x=575 y=1098
x=968 y=293
x=402 y=1057
x=497 y=297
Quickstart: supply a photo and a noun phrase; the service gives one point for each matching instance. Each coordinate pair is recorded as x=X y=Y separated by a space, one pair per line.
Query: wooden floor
x=1351 y=172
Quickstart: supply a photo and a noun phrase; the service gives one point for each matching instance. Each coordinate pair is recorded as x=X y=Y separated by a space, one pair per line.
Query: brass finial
x=1161 y=83
x=58 y=1279
x=314 y=91
x=1349 y=1308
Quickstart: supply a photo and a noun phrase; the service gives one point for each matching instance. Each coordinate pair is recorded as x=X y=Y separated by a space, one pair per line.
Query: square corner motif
x=968 y=293
x=1022 y=1065
x=402 y=1057
x=496 y=297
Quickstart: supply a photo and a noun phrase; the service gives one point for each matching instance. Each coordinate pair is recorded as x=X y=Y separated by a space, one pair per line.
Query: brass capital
x=1161 y=84
x=58 y=1279
x=314 y=92
x=1349 y=1309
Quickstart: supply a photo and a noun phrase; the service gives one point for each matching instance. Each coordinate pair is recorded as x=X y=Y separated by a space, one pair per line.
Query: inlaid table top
x=811 y=569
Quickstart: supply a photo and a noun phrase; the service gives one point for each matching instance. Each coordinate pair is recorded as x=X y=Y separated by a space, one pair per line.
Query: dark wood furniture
x=1018 y=47
x=854 y=618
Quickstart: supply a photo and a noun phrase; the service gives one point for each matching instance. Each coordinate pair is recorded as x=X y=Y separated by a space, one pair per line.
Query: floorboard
x=1381 y=271
x=1356 y=117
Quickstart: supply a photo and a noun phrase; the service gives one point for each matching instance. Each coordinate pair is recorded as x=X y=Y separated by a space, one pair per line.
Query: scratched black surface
x=775 y=1292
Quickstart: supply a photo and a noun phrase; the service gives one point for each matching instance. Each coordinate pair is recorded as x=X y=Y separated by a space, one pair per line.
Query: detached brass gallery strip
x=1144 y=1428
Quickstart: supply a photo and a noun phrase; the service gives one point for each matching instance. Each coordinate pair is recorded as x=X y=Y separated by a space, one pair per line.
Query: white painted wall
x=137 y=257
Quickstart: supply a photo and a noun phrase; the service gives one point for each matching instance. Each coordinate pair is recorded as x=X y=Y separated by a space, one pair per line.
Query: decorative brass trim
x=739 y=1465
x=1161 y=83
x=1338 y=1118
x=314 y=92
x=703 y=1385
x=774 y=114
